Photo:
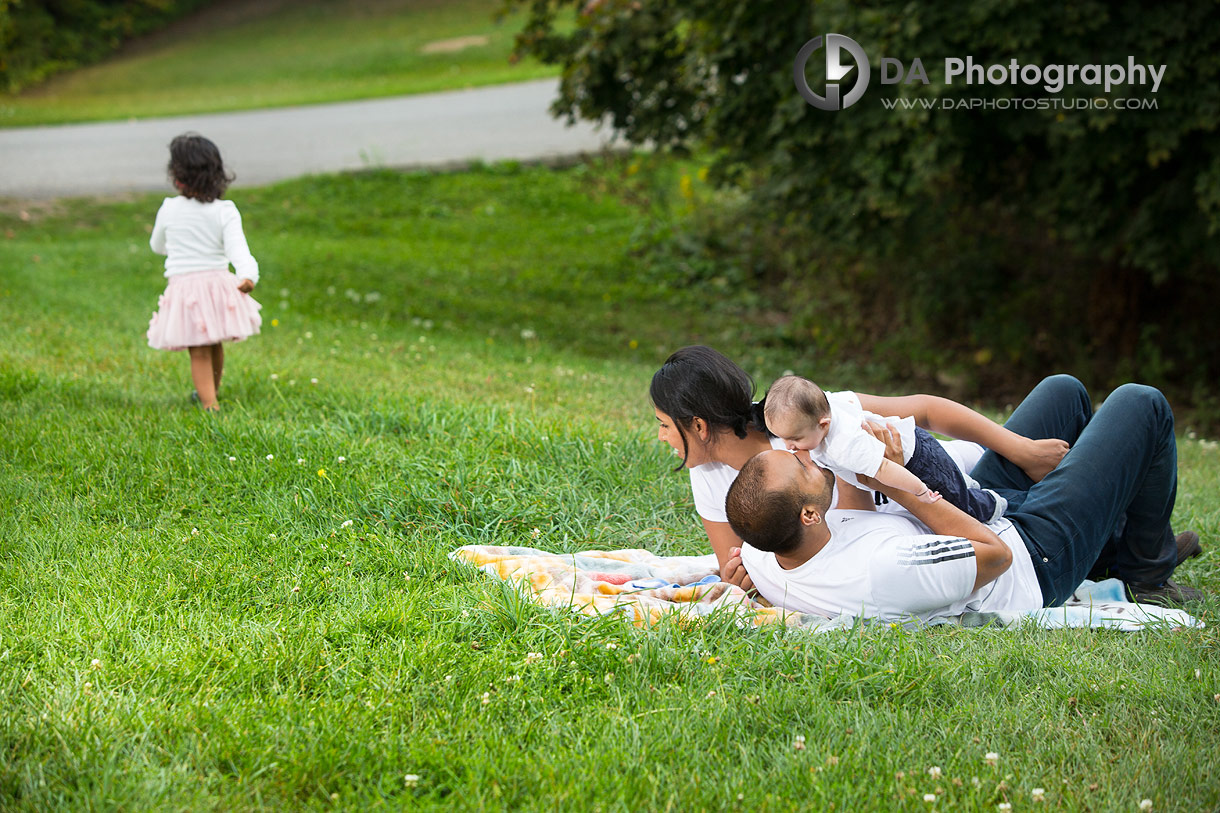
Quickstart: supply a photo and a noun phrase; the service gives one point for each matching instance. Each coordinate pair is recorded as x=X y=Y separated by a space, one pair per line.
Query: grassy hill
x=256 y=609
x=247 y=55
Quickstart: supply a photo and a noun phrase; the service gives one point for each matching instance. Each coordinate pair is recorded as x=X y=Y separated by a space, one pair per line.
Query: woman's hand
x=734 y=572
x=1039 y=457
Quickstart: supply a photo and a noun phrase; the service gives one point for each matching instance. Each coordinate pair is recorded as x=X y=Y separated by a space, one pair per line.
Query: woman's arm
x=935 y=414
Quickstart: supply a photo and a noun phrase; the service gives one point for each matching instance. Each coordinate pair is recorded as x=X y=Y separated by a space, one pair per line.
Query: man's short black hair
x=767 y=518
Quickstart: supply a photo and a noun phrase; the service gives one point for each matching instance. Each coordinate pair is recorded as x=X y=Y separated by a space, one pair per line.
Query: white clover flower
x=232 y=459
x=611 y=645
x=313 y=381
x=271 y=457
x=271 y=536
x=1146 y=804
x=342 y=459
x=609 y=678
x=534 y=534
x=296 y=589
x=528 y=334
x=934 y=772
x=300 y=461
x=992 y=758
x=1003 y=806
x=411 y=780
x=95 y=664
x=533 y=657
x=1038 y=794
x=347 y=523
x=798 y=742
x=275 y=377
x=194 y=532
x=486 y=698
x=929 y=797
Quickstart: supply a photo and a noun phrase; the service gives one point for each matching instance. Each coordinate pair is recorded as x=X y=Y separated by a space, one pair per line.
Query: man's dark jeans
x=1109 y=501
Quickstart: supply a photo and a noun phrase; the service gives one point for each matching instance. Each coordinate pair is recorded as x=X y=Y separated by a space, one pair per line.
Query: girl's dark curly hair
x=196 y=168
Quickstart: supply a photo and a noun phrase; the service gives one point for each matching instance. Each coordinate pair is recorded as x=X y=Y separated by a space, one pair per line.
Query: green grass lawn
x=188 y=621
x=241 y=57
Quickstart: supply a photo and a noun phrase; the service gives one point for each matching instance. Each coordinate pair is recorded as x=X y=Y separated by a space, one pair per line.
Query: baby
x=829 y=426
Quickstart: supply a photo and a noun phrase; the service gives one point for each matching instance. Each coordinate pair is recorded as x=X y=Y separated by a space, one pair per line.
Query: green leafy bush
x=39 y=38
x=1005 y=243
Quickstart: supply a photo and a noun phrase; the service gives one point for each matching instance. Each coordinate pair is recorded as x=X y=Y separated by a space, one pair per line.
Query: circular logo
x=835 y=70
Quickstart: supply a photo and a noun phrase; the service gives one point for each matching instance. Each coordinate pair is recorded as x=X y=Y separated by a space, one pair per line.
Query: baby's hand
x=245 y=286
x=929 y=496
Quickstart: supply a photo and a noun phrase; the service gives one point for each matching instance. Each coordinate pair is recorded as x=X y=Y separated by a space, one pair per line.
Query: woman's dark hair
x=699 y=382
x=194 y=163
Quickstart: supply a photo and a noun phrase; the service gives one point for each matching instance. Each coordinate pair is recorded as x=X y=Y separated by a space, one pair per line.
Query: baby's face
x=798 y=432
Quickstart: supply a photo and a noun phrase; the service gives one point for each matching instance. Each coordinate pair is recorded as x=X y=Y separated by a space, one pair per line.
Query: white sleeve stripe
x=947 y=558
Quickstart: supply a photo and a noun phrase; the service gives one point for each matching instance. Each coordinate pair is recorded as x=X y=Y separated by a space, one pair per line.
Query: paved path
x=261 y=146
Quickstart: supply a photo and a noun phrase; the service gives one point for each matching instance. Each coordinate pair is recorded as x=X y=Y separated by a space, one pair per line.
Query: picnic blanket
x=645 y=588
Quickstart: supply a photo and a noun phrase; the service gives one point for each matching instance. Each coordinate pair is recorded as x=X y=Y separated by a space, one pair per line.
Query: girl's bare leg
x=218 y=364
x=203 y=376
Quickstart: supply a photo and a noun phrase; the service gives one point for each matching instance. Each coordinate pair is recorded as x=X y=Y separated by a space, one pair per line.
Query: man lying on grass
x=1104 y=510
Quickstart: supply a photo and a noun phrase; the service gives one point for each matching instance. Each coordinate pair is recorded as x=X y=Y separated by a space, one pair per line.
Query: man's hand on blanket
x=734 y=572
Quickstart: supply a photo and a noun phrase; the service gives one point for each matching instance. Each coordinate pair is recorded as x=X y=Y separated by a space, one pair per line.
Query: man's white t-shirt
x=891 y=566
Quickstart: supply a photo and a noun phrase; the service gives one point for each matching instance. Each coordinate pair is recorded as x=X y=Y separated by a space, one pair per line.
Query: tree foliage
x=39 y=38
x=1063 y=235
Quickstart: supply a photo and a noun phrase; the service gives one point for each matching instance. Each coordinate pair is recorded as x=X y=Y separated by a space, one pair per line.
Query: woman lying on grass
x=705 y=406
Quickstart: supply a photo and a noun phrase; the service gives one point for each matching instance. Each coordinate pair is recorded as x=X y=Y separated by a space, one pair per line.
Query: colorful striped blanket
x=645 y=588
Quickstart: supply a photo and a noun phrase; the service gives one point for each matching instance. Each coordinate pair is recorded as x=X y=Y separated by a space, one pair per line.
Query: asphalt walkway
x=261 y=146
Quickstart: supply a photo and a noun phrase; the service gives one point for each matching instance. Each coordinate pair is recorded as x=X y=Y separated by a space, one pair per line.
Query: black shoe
x=194 y=396
x=1168 y=594
x=1188 y=546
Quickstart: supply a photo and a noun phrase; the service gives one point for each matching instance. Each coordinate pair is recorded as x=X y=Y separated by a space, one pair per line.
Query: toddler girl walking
x=200 y=234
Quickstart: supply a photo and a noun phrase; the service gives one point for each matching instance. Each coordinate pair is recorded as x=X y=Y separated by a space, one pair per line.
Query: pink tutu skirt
x=202 y=308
